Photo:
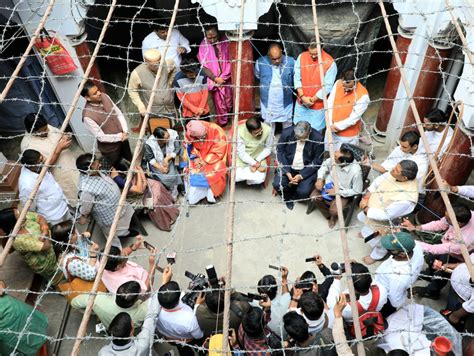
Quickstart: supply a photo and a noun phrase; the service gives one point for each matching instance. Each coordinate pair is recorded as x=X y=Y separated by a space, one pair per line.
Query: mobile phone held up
x=148 y=245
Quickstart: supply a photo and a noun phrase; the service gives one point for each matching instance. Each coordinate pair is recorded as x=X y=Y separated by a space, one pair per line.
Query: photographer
x=364 y=288
x=210 y=312
x=308 y=281
x=268 y=285
x=311 y=306
x=252 y=333
x=303 y=342
x=176 y=321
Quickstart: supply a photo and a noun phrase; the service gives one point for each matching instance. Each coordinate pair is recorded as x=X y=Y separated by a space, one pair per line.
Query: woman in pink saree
x=214 y=56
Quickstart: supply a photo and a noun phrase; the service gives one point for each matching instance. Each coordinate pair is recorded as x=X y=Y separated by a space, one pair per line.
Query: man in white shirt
x=435 y=125
x=363 y=287
x=400 y=271
x=50 y=201
x=409 y=148
x=177 y=320
x=178 y=45
x=349 y=176
x=280 y=302
x=466 y=191
x=391 y=196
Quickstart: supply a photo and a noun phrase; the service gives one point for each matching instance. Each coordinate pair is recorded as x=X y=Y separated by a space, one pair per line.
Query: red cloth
x=212 y=151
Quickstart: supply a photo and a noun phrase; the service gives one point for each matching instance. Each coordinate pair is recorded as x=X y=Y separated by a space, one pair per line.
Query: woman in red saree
x=206 y=145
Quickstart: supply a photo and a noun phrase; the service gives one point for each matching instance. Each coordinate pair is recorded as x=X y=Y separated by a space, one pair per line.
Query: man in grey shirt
x=349 y=176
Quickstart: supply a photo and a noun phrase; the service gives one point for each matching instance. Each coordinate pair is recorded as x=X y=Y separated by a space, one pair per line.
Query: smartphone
x=310 y=259
x=274 y=267
x=348 y=297
x=212 y=276
x=148 y=245
x=159 y=269
x=171 y=257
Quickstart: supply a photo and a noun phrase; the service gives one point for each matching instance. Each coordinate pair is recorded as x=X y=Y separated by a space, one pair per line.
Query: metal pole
x=231 y=208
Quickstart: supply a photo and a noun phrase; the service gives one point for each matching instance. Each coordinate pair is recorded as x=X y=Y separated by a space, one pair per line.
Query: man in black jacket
x=299 y=152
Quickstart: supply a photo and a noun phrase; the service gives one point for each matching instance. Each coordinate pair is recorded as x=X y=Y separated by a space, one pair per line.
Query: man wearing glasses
x=347 y=103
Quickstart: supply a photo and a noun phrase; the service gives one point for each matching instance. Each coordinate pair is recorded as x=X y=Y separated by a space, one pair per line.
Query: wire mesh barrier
x=375 y=135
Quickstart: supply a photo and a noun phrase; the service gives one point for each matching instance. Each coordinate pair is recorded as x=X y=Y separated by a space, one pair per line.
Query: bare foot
x=274 y=192
x=331 y=223
x=368 y=260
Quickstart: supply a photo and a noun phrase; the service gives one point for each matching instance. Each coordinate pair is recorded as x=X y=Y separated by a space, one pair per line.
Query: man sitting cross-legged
x=349 y=176
x=254 y=145
x=392 y=195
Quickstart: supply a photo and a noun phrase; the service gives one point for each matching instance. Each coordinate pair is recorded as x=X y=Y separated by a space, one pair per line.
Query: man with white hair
x=141 y=83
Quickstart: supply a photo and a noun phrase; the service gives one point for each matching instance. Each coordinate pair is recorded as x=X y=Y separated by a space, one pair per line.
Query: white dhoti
x=378 y=252
x=196 y=194
x=245 y=174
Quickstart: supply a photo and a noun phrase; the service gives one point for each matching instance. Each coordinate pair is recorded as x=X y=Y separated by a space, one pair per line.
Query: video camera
x=198 y=283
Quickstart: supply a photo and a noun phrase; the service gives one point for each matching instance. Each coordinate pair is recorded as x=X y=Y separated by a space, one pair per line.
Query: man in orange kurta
x=206 y=145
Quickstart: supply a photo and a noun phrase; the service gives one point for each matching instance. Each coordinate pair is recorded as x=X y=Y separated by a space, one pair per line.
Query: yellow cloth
x=390 y=191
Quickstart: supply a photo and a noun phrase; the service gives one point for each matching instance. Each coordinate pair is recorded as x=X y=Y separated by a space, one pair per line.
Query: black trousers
x=302 y=190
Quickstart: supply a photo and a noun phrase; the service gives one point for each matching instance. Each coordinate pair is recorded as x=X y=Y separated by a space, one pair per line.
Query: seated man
x=161 y=149
x=435 y=124
x=190 y=85
x=119 y=269
x=409 y=149
x=299 y=154
x=364 y=289
x=24 y=329
x=349 y=176
x=99 y=197
x=48 y=141
x=306 y=343
x=206 y=145
x=400 y=271
x=254 y=145
x=210 y=313
x=392 y=195
x=447 y=251
x=107 y=306
x=49 y=201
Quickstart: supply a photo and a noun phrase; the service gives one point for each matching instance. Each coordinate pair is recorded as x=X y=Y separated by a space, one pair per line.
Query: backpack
x=371 y=321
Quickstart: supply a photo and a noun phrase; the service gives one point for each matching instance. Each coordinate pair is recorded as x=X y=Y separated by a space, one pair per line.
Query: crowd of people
x=297 y=315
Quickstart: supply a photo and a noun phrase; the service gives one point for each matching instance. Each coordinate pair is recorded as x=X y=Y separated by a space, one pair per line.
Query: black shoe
x=132 y=233
x=311 y=207
x=423 y=292
x=290 y=205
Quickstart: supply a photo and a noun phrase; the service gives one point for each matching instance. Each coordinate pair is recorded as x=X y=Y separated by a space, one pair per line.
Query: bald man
x=141 y=83
x=275 y=72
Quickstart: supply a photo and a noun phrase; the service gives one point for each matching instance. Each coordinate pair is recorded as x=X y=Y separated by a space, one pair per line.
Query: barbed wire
x=184 y=205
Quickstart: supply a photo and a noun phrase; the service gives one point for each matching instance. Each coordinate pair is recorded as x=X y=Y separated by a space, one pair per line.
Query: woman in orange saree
x=206 y=144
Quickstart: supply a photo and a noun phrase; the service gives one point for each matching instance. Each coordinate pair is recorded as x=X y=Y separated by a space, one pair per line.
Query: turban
x=196 y=128
x=152 y=55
